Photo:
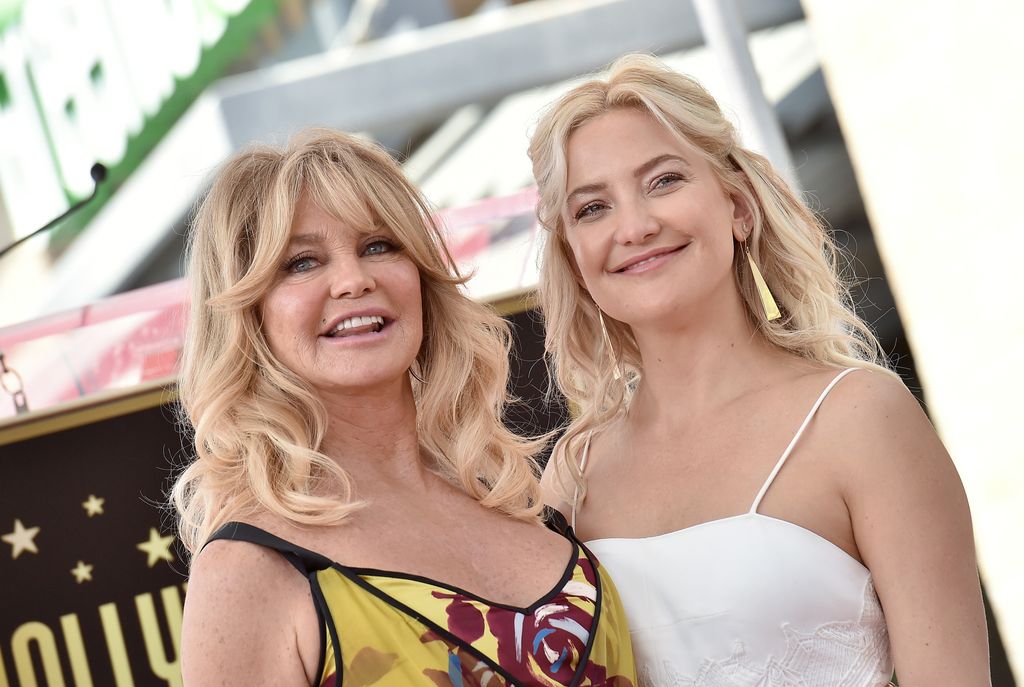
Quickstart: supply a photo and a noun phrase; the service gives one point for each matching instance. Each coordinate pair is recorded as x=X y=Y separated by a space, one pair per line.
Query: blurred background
x=899 y=120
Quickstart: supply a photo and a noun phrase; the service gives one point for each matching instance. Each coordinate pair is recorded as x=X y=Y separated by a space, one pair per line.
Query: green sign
x=84 y=81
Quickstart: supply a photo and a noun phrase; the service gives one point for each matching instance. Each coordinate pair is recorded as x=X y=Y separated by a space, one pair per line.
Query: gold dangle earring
x=608 y=343
x=771 y=308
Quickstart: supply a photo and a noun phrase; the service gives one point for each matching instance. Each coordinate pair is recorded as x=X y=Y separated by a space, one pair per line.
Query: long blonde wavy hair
x=257 y=426
x=797 y=255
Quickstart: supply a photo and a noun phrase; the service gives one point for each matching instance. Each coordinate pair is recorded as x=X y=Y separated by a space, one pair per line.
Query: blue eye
x=589 y=210
x=378 y=247
x=300 y=263
x=664 y=180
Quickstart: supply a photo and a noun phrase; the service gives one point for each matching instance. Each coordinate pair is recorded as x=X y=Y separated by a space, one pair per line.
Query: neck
x=695 y=368
x=371 y=434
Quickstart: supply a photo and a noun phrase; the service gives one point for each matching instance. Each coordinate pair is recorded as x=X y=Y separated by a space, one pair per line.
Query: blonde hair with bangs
x=258 y=427
x=796 y=254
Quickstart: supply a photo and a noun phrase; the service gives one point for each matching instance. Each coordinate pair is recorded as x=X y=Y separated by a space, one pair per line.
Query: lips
x=639 y=262
x=353 y=324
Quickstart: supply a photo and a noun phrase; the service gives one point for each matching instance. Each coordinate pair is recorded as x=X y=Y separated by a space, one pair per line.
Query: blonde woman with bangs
x=356 y=511
x=771 y=501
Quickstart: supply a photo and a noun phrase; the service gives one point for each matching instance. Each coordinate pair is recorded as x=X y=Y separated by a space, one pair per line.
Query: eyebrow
x=306 y=239
x=637 y=173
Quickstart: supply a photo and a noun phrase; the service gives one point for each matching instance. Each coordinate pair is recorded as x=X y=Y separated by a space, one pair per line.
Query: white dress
x=748 y=601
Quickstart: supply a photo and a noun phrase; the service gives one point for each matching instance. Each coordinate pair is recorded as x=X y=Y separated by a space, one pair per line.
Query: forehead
x=620 y=141
x=311 y=222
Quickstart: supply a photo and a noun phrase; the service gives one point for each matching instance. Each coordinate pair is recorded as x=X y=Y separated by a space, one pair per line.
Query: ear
x=742 y=217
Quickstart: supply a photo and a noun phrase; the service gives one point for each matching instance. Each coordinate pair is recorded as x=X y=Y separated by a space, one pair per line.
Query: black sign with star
x=92 y=575
x=92 y=579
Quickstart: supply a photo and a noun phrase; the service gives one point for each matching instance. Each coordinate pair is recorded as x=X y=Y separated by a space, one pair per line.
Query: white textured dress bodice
x=749 y=601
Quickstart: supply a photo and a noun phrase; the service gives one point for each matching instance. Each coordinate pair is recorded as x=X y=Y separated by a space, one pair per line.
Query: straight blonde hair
x=796 y=254
x=258 y=427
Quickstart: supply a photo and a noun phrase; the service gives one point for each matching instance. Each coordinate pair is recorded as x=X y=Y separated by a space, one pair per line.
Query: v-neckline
x=356 y=578
x=321 y=562
x=547 y=597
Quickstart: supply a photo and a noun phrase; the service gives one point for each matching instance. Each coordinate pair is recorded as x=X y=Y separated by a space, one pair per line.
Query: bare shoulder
x=553 y=480
x=227 y=570
x=912 y=526
x=867 y=390
x=885 y=445
x=240 y=617
x=558 y=482
x=875 y=414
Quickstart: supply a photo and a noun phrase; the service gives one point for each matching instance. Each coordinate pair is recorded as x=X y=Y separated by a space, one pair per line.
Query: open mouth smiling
x=357 y=325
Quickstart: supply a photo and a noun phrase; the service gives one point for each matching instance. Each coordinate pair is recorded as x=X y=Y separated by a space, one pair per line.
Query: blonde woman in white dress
x=773 y=504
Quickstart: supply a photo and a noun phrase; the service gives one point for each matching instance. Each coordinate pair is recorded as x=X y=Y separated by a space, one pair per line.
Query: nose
x=350 y=278
x=636 y=224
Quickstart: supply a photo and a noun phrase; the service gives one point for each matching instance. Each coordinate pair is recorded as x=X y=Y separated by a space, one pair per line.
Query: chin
x=354 y=383
x=647 y=314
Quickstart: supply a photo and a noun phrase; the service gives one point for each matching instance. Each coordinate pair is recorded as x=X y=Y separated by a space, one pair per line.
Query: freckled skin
x=341 y=269
x=675 y=202
x=717 y=405
x=249 y=617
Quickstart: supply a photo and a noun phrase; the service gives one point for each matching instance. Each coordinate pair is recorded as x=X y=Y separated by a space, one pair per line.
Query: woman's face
x=345 y=313
x=648 y=223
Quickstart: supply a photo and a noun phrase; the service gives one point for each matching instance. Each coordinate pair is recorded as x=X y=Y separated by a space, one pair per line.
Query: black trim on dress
x=309 y=563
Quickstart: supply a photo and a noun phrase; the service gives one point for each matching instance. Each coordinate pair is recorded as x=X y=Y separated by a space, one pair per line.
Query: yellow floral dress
x=387 y=628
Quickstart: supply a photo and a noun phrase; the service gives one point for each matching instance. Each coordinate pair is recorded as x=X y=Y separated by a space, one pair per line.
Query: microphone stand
x=98 y=173
x=10 y=380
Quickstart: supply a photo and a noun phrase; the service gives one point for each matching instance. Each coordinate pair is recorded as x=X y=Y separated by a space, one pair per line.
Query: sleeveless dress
x=381 y=628
x=749 y=601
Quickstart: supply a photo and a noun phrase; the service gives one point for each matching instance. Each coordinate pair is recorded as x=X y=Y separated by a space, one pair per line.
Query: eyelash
x=583 y=213
x=591 y=208
x=289 y=265
x=671 y=176
x=392 y=246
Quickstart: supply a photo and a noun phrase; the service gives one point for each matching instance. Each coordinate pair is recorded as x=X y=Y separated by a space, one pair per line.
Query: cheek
x=285 y=315
x=409 y=280
x=584 y=257
x=408 y=289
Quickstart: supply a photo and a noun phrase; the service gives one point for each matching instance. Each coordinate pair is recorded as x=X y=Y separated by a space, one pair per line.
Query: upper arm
x=912 y=526
x=239 y=623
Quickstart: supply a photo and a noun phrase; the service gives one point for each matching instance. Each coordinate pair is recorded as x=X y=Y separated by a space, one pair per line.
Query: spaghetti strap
x=796 y=438
x=583 y=466
x=303 y=560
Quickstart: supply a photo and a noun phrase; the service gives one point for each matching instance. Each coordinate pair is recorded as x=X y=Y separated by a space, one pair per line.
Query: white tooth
x=359 y=321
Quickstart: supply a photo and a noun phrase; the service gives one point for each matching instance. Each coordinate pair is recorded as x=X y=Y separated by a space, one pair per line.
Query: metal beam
x=410 y=80
x=726 y=35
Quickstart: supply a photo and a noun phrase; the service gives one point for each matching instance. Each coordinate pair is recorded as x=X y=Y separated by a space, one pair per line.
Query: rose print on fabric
x=543 y=647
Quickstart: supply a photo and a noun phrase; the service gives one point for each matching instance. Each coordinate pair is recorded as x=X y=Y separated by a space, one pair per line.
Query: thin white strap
x=796 y=437
x=583 y=466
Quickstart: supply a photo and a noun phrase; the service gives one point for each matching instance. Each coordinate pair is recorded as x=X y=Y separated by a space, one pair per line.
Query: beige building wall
x=931 y=102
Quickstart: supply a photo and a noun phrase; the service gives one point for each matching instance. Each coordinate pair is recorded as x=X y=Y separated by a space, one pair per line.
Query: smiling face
x=345 y=312
x=649 y=225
